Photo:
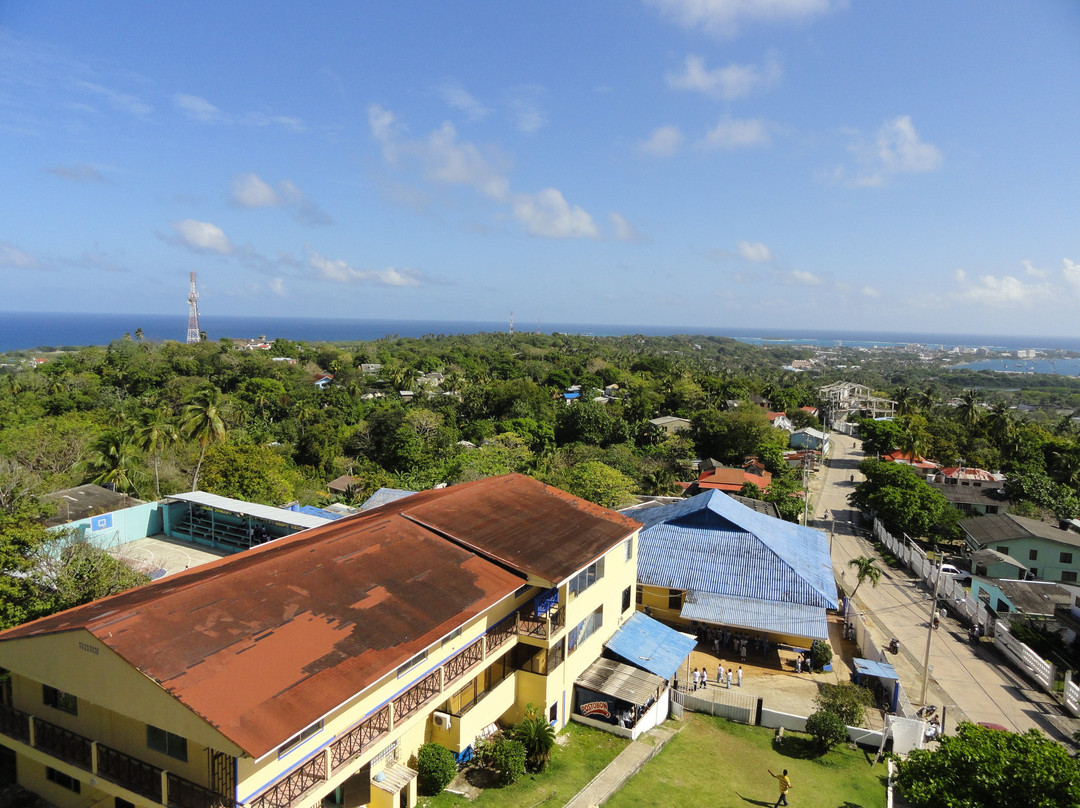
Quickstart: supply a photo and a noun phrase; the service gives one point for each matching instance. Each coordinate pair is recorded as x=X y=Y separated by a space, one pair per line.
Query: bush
x=847 y=701
x=435 y=767
x=827 y=729
x=507 y=757
x=820 y=654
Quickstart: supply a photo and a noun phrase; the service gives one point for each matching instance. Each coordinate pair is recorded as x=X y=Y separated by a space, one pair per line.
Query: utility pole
x=930 y=634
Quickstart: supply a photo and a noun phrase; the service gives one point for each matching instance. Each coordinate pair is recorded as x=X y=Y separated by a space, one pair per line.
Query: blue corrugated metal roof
x=311 y=510
x=651 y=645
x=869 y=667
x=798 y=619
x=712 y=543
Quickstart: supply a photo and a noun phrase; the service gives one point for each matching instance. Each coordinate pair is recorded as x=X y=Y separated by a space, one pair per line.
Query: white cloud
x=758 y=252
x=995 y=292
x=198 y=109
x=548 y=214
x=524 y=101
x=728 y=83
x=1071 y=271
x=277 y=286
x=456 y=96
x=804 y=278
x=624 y=231
x=252 y=191
x=724 y=16
x=202 y=237
x=737 y=133
x=341 y=272
x=1033 y=271
x=870 y=291
x=664 y=142
x=79 y=172
x=12 y=256
x=444 y=158
x=896 y=149
x=122 y=102
x=450 y=161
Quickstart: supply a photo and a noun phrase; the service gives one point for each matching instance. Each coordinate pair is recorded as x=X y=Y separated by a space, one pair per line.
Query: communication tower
x=193 y=314
x=511 y=324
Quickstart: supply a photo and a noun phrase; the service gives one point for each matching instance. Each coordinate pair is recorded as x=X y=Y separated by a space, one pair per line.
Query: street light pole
x=930 y=634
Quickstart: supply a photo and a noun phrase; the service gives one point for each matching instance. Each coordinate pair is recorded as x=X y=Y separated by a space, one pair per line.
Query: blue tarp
x=868 y=667
x=649 y=644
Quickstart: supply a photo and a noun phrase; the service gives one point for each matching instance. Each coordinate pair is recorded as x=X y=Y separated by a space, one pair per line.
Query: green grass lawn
x=715 y=763
x=573 y=764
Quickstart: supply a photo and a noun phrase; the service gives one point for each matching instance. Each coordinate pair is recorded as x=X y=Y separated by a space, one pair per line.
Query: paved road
x=972 y=681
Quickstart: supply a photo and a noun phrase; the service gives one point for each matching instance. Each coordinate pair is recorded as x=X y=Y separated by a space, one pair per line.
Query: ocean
x=32 y=330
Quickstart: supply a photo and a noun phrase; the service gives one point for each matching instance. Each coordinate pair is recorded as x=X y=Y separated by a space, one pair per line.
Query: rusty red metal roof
x=263 y=643
x=522 y=523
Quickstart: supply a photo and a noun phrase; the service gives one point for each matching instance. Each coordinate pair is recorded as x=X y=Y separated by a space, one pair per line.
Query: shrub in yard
x=435 y=768
x=507 y=757
x=848 y=700
x=827 y=729
x=820 y=654
x=536 y=735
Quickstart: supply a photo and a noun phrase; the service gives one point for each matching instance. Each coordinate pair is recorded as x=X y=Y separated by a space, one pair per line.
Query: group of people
x=720 y=637
x=699 y=679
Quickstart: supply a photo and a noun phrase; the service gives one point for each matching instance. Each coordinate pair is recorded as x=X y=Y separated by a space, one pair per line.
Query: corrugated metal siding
x=714 y=544
x=651 y=645
x=794 y=619
x=621 y=681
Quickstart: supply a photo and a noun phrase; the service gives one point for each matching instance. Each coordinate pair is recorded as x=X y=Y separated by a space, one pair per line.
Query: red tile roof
x=263 y=643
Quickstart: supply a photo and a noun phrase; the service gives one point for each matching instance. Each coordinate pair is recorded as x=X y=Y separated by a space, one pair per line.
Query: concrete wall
x=107 y=530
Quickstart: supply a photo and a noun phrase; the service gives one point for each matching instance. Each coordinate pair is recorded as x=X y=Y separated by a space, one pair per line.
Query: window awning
x=621 y=681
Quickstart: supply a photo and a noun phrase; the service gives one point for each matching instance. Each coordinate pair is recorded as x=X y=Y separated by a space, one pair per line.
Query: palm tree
x=112 y=462
x=905 y=401
x=536 y=735
x=999 y=423
x=204 y=422
x=865 y=570
x=155 y=432
x=928 y=398
x=968 y=411
x=912 y=443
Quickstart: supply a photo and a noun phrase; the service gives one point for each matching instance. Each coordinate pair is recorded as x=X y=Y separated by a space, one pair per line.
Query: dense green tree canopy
x=903 y=501
x=986 y=768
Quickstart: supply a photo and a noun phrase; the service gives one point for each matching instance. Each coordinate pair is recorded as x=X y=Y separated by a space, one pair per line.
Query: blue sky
x=809 y=163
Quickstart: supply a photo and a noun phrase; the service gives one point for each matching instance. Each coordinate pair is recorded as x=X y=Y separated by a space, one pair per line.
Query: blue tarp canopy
x=651 y=645
x=882 y=670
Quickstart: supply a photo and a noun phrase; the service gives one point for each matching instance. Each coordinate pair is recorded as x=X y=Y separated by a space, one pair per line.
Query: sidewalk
x=628 y=762
x=971 y=681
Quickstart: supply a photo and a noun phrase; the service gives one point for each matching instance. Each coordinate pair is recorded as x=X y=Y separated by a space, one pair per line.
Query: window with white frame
x=586 y=578
x=630 y=548
x=585 y=629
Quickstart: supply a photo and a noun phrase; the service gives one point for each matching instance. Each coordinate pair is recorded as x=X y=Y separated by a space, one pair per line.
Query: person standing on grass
x=785 y=786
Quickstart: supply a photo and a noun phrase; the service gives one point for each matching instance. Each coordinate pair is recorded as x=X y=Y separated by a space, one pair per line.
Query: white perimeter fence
x=958 y=600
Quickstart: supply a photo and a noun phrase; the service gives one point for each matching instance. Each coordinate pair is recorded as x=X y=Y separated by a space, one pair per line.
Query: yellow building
x=309 y=670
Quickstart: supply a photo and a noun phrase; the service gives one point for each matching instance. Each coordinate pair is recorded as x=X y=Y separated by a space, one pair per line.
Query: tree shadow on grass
x=798 y=748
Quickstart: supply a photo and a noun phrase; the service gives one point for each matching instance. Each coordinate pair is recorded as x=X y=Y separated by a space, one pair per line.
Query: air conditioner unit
x=441 y=720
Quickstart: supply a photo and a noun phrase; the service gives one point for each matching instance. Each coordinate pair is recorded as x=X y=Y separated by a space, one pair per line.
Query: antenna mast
x=193 y=334
x=511 y=324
